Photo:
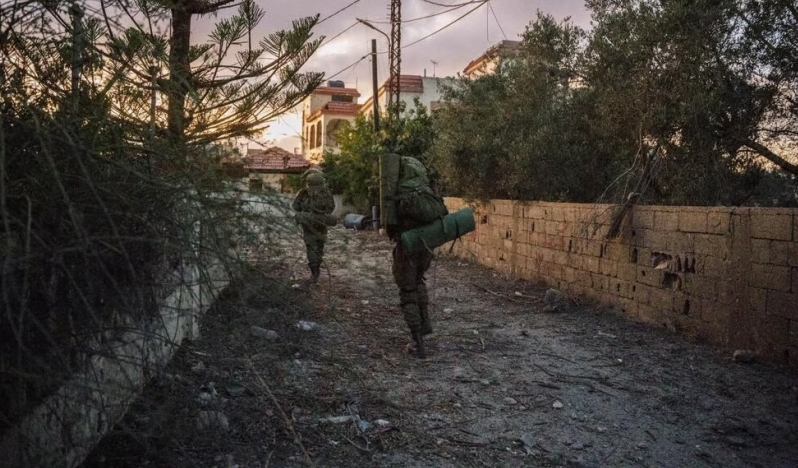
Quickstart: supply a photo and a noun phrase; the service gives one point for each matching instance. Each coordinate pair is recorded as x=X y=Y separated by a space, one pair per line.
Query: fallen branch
x=504 y=296
x=286 y=419
x=362 y=449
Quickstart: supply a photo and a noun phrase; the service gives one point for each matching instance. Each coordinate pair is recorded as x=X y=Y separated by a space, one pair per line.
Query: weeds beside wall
x=728 y=276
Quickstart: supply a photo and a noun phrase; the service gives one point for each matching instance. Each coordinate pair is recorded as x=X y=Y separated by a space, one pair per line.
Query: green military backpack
x=416 y=199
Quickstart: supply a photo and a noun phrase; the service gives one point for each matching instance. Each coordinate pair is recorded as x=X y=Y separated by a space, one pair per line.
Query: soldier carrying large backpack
x=416 y=205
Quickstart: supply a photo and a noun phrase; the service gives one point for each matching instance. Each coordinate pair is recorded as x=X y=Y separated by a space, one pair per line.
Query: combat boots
x=426 y=322
x=315 y=272
x=418 y=351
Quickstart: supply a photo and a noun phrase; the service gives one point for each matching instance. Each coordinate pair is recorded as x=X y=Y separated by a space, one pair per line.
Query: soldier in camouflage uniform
x=408 y=270
x=317 y=199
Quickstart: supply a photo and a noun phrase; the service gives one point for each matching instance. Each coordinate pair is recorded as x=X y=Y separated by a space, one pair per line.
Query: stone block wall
x=63 y=429
x=720 y=274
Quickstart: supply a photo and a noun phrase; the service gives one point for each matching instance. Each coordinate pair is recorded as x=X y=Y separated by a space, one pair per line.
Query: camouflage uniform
x=315 y=198
x=408 y=273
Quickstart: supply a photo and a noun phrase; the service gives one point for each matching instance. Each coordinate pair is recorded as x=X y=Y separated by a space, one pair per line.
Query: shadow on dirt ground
x=291 y=375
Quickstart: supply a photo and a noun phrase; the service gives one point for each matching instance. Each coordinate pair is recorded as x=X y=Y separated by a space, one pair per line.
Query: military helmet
x=315 y=179
x=312 y=170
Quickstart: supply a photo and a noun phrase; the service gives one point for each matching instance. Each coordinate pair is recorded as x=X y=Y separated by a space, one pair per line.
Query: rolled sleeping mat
x=439 y=232
x=311 y=219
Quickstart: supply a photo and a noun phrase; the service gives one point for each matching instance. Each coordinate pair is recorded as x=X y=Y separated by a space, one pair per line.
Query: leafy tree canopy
x=354 y=171
x=693 y=101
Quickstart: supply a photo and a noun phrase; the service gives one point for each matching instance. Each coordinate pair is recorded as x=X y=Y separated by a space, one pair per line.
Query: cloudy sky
x=451 y=48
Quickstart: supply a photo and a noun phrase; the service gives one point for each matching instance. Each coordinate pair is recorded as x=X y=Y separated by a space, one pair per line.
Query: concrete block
x=649 y=276
x=693 y=221
x=771 y=336
x=714 y=325
x=643 y=256
x=591 y=264
x=532 y=265
x=649 y=314
x=569 y=274
x=718 y=222
x=662 y=298
x=773 y=277
x=792 y=338
x=561 y=258
x=553 y=228
x=533 y=212
x=715 y=313
x=783 y=304
x=628 y=307
x=758 y=301
x=689 y=326
x=593 y=248
x=793 y=255
x=535 y=238
x=642 y=218
x=665 y=221
x=711 y=244
x=715 y=267
x=700 y=286
x=681 y=242
x=780 y=252
x=760 y=250
x=608 y=267
x=627 y=271
x=616 y=251
x=557 y=242
x=599 y=283
x=794 y=287
x=621 y=288
x=771 y=226
x=686 y=305
x=642 y=293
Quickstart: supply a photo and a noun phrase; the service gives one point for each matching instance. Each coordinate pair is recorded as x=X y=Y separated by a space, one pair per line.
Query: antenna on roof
x=434 y=66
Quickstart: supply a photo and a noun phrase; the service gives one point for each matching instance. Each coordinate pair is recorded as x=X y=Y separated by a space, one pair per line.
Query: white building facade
x=324 y=113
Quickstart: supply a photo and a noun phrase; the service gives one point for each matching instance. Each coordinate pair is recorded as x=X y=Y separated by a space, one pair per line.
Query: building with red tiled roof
x=269 y=167
x=324 y=113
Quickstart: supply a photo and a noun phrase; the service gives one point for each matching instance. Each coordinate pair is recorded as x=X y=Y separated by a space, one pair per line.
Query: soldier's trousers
x=314 y=244
x=408 y=272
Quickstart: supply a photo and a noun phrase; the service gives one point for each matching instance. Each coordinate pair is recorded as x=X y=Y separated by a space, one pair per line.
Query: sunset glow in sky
x=451 y=49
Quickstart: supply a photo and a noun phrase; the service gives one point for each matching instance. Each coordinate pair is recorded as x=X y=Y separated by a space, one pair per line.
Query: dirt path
x=505 y=383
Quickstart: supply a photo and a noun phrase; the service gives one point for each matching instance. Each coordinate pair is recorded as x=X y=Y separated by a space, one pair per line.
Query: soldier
x=409 y=268
x=314 y=199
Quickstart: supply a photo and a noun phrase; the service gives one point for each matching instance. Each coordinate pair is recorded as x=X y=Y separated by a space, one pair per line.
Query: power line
x=432 y=15
x=497 y=21
x=327 y=41
x=339 y=11
x=349 y=66
x=481 y=3
x=458 y=5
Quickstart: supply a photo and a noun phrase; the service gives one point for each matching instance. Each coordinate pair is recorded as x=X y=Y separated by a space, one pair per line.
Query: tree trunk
x=763 y=151
x=179 y=73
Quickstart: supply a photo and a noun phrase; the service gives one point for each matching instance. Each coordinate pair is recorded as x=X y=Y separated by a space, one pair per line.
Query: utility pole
x=434 y=66
x=395 y=55
x=375 y=86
